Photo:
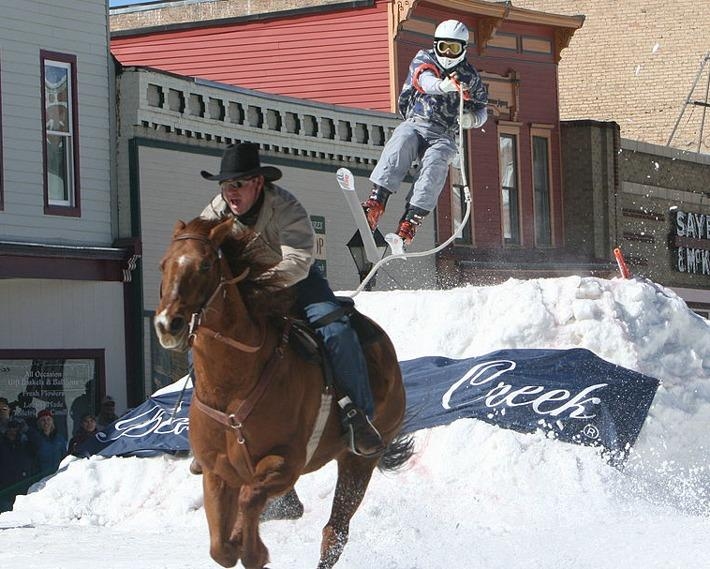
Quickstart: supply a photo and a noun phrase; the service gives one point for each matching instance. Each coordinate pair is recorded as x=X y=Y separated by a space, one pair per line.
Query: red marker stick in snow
x=623 y=267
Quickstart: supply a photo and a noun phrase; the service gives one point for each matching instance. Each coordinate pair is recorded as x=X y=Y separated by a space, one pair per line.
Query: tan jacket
x=284 y=232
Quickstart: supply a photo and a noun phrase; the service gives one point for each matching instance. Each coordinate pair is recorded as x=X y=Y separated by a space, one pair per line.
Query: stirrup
x=355 y=420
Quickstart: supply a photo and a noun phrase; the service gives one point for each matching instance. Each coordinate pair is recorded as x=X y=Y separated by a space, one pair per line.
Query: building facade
x=649 y=200
x=635 y=62
x=62 y=272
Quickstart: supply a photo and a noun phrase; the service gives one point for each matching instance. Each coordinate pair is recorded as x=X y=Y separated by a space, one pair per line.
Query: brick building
x=634 y=62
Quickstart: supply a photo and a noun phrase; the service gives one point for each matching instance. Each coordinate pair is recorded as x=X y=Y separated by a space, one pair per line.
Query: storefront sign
x=318 y=222
x=691 y=237
x=64 y=385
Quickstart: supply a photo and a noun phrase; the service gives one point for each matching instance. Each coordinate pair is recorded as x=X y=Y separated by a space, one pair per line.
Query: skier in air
x=429 y=103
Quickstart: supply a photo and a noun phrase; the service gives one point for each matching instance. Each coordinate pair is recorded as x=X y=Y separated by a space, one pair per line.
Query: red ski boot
x=375 y=205
x=411 y=219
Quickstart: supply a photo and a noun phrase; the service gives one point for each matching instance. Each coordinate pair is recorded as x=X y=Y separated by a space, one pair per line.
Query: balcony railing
x=213 y=112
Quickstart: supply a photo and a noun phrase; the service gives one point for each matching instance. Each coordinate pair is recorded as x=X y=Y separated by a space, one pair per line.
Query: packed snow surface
x=475 y=495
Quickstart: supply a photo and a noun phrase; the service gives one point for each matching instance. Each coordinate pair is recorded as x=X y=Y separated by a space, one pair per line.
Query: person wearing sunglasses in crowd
x=429 y=103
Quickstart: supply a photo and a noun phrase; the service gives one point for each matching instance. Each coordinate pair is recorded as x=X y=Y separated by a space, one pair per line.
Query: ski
x=346 y=181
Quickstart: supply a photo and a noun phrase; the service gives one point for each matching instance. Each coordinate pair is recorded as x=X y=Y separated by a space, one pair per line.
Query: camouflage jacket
x=420 y=99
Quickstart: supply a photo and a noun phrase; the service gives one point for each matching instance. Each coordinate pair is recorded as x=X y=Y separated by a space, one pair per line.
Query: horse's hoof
x=195 y=467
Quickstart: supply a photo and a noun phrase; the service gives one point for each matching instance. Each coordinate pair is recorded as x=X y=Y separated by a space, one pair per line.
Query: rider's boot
x=409 y=222
x=363 y=438
x=375 y=205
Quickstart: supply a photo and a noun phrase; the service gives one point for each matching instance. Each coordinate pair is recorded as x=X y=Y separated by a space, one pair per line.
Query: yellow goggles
x=450 y=47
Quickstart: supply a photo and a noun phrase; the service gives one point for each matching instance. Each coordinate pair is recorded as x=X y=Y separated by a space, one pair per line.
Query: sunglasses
x=236 y=184
x=452 y=47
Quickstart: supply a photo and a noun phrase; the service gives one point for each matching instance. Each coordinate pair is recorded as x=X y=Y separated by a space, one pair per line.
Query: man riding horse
x=285 y=239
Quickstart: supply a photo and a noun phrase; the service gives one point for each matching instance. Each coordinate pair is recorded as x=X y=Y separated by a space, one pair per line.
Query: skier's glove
x=473 y=119
x=449 y=85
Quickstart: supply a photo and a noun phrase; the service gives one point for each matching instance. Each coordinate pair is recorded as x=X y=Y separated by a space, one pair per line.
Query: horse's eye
x=205 y=266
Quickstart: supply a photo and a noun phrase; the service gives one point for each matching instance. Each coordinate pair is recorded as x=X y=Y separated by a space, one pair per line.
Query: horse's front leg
x=271 y=477
x=221 y=509
x=354 y=475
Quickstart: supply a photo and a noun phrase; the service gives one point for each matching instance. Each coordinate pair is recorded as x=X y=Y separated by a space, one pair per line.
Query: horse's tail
x=397 y=453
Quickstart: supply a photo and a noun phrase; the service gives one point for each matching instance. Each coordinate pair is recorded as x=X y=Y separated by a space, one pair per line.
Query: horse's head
x=191 y=271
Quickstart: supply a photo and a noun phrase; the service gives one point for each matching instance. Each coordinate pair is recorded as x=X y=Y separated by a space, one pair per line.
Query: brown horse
x=261 y=415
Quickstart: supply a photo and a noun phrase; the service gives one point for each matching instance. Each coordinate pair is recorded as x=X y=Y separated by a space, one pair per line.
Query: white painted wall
x=74 y=27
x=65 y=315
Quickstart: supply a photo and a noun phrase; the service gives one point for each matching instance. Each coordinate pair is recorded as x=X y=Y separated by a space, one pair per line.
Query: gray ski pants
x=416 y=138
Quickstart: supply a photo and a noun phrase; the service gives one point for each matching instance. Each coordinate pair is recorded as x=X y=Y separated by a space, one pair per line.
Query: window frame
x=73 y=209
x=511 y=131
x=97 y=356
x=543 y=132
x=2 y=161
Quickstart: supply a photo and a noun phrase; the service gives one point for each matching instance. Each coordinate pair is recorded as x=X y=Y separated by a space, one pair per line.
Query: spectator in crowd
x=23 y=409
x=49 y=445
x=4 y=414
x=82 y=405
x=16 y=463
x=87 y=428
x=107 y=413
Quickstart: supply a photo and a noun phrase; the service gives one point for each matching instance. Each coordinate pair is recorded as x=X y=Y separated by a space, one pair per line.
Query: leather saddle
x=309 y=345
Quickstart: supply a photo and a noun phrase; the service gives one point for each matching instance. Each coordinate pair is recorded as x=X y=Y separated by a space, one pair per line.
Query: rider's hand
x=449 y=85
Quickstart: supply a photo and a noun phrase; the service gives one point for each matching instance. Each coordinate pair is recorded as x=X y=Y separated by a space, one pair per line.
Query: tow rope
x=455 y=235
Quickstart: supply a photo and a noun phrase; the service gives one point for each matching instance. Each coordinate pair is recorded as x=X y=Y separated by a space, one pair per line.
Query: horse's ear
x=178 y=227
x=220 y=232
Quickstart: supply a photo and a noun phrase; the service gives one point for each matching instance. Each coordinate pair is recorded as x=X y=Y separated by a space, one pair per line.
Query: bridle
x=225 y=278
x=233 y=421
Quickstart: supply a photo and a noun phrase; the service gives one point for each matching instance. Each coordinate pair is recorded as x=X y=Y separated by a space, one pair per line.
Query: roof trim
x=241 y=19
x=507 y=11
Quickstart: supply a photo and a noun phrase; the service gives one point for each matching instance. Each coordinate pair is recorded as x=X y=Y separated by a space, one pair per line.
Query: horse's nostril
x=176 y=324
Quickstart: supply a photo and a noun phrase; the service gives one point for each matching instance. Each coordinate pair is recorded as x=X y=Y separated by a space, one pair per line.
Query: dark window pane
x=541 y=183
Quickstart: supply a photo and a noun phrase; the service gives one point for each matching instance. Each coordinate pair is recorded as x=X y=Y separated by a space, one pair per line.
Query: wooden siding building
x=62 y=272
x=356 y=54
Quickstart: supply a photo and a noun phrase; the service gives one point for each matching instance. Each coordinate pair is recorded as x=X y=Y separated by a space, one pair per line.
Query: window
x=61 y=148
x=510 y=210
x=67 y=382
x=541 y=190
x=2 y=201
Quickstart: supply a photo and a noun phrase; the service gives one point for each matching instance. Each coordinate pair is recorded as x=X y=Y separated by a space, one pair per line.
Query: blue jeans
x=315 y=299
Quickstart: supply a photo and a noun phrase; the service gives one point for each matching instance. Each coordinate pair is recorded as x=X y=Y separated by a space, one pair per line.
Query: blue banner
x=574 y=394
x=155 y=426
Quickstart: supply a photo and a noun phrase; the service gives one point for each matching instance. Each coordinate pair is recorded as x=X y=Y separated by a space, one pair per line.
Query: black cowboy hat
x=242 y=161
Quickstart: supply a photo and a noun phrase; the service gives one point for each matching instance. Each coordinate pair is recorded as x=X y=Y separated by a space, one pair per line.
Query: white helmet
x=450 y=53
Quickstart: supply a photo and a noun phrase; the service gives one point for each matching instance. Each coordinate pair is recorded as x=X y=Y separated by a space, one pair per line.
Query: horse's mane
x=264 y=293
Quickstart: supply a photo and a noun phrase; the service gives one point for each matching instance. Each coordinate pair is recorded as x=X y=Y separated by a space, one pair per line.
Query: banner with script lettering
x=574 y=394
x=152 y=427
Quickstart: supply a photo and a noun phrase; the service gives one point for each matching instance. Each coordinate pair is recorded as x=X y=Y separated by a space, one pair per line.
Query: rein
x=235 y=421
x=196 y=318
